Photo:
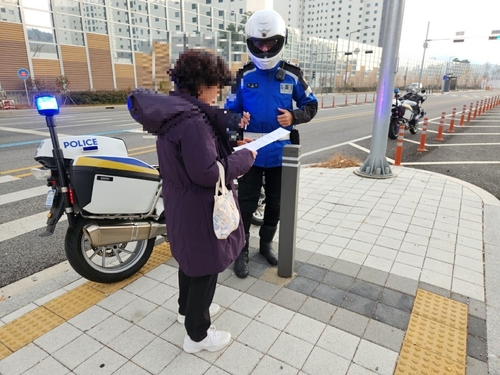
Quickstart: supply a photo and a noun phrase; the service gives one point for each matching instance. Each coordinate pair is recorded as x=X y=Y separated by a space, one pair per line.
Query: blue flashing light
x=396 y=90
x=47 y=105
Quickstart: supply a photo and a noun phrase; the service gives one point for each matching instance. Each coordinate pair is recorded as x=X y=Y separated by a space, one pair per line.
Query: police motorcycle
x=112 y=201
x=406 y=110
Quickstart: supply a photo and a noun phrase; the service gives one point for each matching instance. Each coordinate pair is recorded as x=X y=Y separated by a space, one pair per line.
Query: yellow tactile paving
x=75 y=301
x=28 y=327
x=4 y=351
x=436 y=339
x=441 y=309
x=164 y=247
x=154 y=261
x=414 y=360
x=113 y=287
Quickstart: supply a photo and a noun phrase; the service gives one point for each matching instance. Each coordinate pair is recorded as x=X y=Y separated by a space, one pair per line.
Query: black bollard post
x=288 y=211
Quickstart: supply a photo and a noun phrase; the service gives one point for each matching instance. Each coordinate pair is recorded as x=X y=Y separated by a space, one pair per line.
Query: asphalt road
x=471 y=153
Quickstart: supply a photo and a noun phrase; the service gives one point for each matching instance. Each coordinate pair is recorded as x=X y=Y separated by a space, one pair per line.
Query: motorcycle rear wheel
x=393 y=129
x=104 y=264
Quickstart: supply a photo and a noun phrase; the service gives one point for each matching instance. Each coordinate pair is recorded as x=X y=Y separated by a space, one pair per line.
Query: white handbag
x=226 y=216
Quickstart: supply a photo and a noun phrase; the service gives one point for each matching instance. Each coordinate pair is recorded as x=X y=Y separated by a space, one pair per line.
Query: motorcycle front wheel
x=104 y=264
x=413 y=128
x=393 y=129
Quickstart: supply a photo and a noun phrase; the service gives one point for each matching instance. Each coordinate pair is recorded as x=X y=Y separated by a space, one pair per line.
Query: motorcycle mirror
x=423 y=91
x=47 y=105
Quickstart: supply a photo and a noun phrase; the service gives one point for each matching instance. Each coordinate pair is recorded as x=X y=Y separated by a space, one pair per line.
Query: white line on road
x=334 y=146
x=25 y=131
x=24 y=225
x=455 y=144
x=359 y=147
x=126 y=122
x=7 y=179
x=23 y=194
x=451 y=162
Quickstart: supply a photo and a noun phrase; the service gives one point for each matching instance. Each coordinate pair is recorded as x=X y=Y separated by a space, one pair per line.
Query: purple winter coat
x=191 y=138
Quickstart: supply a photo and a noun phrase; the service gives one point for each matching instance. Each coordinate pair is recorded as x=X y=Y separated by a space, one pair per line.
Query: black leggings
x=195 y=296
x=249 y=187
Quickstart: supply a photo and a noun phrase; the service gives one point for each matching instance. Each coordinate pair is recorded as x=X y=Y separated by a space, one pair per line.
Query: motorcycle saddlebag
x=113 y=184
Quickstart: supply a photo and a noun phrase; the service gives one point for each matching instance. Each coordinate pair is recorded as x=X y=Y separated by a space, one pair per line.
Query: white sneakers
x=215 y=340
x=213 y=310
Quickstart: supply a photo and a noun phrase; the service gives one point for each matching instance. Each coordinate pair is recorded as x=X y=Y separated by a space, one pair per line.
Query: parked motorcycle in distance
x=112 y=201
x=406 y=110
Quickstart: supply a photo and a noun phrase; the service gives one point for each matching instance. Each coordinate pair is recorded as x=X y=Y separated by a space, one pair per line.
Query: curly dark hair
x=197 y=67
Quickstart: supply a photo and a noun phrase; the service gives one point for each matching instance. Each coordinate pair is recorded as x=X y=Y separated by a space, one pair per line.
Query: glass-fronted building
x=122 y=44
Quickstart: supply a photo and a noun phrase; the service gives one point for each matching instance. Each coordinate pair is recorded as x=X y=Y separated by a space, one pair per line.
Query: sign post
x=24 y=74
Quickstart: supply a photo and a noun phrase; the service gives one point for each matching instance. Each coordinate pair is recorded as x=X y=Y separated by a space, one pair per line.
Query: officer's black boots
x=266 y=234
x=241 y=263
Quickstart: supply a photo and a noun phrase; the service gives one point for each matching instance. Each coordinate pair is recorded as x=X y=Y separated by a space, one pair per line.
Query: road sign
x=445 y=77
x=24 y=74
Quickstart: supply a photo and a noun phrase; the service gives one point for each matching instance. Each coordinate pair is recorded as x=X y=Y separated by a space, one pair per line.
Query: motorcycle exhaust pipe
x=102 y=235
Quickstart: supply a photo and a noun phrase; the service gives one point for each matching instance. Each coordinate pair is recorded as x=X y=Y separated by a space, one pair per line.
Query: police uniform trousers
x=249 y=187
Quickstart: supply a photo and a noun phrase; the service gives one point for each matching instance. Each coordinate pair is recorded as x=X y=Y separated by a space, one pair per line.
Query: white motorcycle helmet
x=265 y=27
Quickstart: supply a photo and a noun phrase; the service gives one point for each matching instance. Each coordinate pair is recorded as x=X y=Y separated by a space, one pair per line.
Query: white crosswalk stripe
x=23 y=225
x=23 y=194
x=7 y=179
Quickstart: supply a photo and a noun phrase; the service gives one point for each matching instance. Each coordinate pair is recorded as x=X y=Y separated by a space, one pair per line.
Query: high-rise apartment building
x=235 y=6
x=335 y=18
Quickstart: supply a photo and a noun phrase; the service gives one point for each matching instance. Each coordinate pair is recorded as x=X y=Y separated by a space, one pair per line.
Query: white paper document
x=264 y=140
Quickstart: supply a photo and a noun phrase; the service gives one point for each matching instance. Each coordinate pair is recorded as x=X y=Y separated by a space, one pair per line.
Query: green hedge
x=95 y=97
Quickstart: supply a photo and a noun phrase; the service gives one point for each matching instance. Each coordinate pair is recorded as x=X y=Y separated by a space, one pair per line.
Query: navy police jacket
x=261 y=93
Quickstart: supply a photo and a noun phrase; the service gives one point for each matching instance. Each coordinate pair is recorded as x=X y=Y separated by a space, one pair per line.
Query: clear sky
x=477 y=18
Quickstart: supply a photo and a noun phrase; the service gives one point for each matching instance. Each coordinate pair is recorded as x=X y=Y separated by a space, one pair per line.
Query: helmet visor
x=268 y=47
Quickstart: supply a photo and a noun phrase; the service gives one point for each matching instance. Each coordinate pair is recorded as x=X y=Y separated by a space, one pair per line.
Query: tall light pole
x=348 y=53
x=376 y=166
x=426 y=44
x=335 y=64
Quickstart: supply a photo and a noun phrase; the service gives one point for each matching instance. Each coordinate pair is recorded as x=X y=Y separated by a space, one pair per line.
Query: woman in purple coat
x=191 y=137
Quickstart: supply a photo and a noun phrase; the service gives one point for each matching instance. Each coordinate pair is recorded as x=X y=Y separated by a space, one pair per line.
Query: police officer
x=264 y=93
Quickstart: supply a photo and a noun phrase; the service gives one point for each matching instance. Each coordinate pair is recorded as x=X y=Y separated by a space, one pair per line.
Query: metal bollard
x=290 y=174
x=333 y=102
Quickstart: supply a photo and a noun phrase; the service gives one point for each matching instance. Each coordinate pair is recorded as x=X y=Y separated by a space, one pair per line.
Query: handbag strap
x=221 y=182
